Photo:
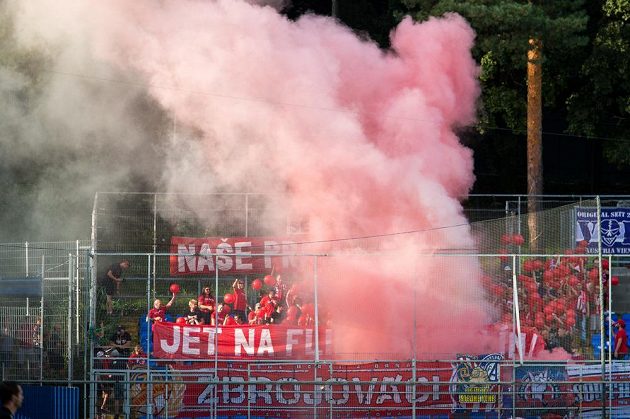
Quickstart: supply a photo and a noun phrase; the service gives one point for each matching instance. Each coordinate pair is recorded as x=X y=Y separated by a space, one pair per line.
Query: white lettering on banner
x=272 y=248
x=436 y=387
x=421 y=396
x=266 y=346
x=186 y=258
x=363 y=397
x=186 y=349
x=205 y=259
x=197 y=255
x=350 y=391
x=239 y=390
x=384 y=395
x=308 y=397
x=171 y=349
x=212 y=332
x=291 y=334
x=241 y=342
x=255 y=391
x=209 y=394
x=240 y=254
x=592 y=392
x=280 y=392
x=308 y=342
x=224 y=263
x=345 y=392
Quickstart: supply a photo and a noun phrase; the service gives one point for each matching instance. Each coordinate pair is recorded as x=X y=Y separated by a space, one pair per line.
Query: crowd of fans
x=559 y=300
x=276 y=303
x=559 y=297
x=270 y=302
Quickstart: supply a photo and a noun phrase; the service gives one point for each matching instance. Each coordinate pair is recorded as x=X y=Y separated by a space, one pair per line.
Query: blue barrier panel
x=21 y=287
x=49 y=402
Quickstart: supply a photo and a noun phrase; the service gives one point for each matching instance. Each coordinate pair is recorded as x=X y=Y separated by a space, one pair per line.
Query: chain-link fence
x=478 y=314
x=42 y=310
x=476 y=319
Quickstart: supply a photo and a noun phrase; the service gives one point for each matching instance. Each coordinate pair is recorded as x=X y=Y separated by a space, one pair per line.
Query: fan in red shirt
x=271 y=295
x=253 y=318
x=233 y=321
x=158 y=312
x=240 y=298
x=621 y=340
x=206 y=304
x=218 y=317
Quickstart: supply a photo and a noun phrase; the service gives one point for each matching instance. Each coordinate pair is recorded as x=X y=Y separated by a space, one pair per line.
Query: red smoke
x=361 y=140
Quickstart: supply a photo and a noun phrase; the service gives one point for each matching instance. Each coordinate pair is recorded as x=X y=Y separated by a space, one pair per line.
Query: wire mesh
x=42 y=305
x=402 y=300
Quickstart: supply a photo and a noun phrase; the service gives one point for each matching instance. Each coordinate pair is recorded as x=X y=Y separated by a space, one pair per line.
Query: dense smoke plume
x=362 y=142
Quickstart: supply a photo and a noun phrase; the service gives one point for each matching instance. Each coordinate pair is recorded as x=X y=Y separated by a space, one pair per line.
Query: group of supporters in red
x=559 y=297
x=276 y=304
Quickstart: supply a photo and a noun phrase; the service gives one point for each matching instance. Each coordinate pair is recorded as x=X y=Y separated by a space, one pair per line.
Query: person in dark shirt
x=551 y=339
x=111 y=281
x=194 y=315
x=11 y=398
x=278 y=315
x=121 y=340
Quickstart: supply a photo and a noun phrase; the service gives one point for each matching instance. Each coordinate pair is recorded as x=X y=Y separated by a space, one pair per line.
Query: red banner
x=586 y=387
x=233 y=255
x=174 y=341
x=283 y=391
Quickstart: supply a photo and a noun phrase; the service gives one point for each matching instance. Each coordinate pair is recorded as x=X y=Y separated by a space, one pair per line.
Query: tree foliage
x=600 y=106
x=503 y=29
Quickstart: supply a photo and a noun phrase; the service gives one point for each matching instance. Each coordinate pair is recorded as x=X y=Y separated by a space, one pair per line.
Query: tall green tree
x=600 y=107
x=524 y=48
x=504 y=28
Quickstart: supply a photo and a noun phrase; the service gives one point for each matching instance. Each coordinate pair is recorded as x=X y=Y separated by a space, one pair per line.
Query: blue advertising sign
x=614 y=229
x=474 y=383
x=542 y=389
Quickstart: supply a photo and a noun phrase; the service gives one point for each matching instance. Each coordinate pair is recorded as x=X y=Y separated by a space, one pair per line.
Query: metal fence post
x=516 y=311
x=26 y=256
x=602 y=355
x=414 y=378
x=91 y=260
x=78 y=292
x=215 y=405
x=41 y=327
x=149 y=405
x=316 y=310
x=610 y=334
x=154 y=240
x=69 y=320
